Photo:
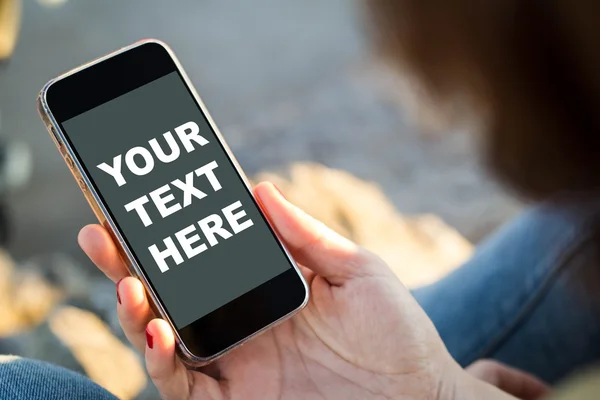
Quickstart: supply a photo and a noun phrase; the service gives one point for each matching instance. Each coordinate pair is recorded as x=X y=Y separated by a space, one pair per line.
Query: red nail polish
x=119 y=296
x=149 y=339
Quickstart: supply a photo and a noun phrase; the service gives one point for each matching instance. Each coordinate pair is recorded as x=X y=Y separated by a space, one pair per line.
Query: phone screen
x=177 y=199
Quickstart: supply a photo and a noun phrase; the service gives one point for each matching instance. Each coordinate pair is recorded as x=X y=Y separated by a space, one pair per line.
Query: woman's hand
x=361 y=336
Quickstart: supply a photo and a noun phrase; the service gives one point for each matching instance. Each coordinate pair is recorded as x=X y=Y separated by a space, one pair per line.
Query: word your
x=140 y=161
x=187 y=133
x=211 y=227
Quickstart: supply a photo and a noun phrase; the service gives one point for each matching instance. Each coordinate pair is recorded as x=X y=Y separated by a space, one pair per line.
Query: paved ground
x=244 y=57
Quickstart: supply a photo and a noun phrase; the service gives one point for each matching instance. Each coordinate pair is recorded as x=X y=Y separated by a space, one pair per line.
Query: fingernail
x=149 y=339
x=118 y=296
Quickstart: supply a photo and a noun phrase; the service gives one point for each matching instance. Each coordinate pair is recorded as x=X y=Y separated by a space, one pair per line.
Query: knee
x=29 y=379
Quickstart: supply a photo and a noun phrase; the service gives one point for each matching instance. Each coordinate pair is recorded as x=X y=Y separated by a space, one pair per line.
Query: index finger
x=100 y=248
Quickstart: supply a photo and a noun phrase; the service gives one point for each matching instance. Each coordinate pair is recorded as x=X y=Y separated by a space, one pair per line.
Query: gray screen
x=192 y=224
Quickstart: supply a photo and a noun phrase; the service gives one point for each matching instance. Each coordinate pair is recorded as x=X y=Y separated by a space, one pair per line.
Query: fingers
x=154 y=338
x=134 y=311
x=313 y=244
x=171 y=378
x=100 y=248
x=512 y=381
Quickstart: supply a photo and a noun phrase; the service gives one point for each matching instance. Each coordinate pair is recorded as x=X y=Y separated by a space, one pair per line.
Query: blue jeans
x=22 y=379
x=521 y=299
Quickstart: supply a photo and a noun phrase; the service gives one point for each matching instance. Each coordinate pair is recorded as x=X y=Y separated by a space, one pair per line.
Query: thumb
x=512 y=381
x=312 y=244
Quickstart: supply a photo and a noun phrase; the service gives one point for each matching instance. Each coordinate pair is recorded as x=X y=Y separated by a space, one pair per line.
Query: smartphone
x=160 y=178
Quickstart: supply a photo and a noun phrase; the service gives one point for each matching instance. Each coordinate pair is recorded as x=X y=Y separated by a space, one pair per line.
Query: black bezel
x=122 y=73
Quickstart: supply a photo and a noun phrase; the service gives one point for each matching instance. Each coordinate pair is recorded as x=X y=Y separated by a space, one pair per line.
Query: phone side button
x=82 y=184
x=69 y=162
x=56 y=137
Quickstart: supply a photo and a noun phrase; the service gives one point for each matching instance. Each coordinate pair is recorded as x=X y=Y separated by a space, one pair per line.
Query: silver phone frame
x=189 y=359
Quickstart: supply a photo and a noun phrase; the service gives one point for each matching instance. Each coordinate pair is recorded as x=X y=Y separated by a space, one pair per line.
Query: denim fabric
x=521 y=299
x=22 y=379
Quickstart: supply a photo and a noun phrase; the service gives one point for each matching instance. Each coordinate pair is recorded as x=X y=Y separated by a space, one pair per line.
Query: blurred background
x=301 y=99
